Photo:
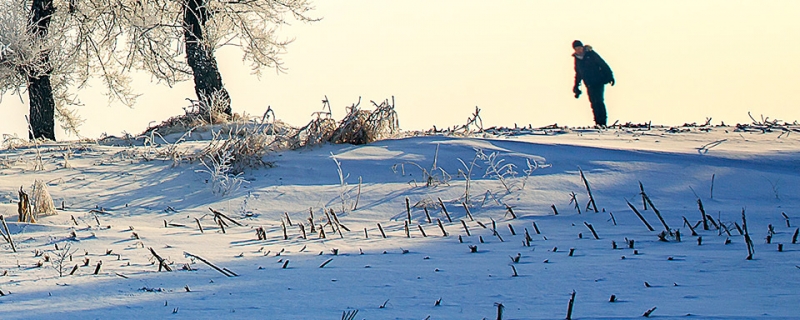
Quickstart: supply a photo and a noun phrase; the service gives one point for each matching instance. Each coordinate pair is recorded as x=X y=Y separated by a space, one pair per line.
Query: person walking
x=595 y=74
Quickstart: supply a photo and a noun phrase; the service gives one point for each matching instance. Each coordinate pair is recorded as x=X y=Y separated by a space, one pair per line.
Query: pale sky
x=674 y=62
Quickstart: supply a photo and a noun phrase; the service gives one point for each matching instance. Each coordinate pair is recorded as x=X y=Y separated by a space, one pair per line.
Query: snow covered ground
x=123 y=205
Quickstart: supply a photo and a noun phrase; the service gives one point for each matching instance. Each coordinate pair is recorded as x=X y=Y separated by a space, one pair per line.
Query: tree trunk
x=40 y=92
x=207 y=79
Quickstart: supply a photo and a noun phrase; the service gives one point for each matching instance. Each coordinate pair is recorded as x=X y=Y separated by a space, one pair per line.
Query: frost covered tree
x=25 y=59
x=176 y=39
x=39 y=87
x=51 y=48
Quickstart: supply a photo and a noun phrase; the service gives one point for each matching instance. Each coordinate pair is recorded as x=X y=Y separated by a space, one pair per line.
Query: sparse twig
x=747 y=239
x=497 y=168
x=358 y=197
x=658 y=214
x=349 y=314
x=60 y=258
x=713 y=176
x=641 y=192
x=500 y=306
x=574 y=201
x=591 y=228
x=218 y=215
x=161 y=262
x=570 y=305
x=688 y=224
x=326 y=262
x=224 y=271
x=649 y=227
x=703 y=213
x=510 y=211
x=591 y=202
x=7 y=234
x=444 y=209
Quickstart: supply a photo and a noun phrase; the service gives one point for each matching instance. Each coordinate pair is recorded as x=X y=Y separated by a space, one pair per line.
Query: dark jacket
x=592 y=69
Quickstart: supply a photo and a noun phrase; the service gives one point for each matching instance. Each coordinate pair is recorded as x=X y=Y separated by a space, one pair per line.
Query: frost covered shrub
x=239 y=147
x=357 y=127
x=39 y=204
x=236 y=147
x=42 y=202
x=362 y=126
x=239 y=142
x=194 y=116
x=317 y=131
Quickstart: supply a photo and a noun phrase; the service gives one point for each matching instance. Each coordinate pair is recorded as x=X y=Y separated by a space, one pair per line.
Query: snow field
x=407 y=275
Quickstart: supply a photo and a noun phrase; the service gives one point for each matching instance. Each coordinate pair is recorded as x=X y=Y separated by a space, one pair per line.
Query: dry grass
x=363 y=126
x=240 y=146
x=474 y=125
x=11 y=142
x=194 y=116
x=240 y=142
x=357 y=127
x=317 y=131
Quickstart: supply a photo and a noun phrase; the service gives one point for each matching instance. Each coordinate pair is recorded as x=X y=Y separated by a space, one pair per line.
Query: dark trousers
x=596 y=92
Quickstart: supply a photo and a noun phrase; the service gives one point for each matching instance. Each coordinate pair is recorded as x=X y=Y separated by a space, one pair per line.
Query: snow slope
x=123 y=205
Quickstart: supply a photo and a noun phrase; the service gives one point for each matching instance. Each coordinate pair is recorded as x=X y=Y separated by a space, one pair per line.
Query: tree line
x=52 y=48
